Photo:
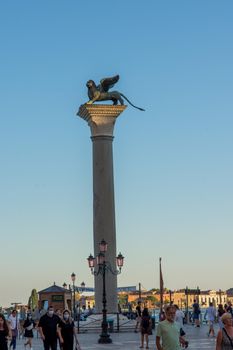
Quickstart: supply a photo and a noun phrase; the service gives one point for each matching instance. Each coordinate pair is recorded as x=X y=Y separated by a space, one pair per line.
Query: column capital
x=100 y=118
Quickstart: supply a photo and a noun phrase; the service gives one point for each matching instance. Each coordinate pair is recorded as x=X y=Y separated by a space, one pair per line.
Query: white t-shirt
x=13 y=321
x=179 y=317
x=210 y=313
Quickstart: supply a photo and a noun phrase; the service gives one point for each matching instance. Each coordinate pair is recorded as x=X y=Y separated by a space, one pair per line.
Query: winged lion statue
x=101 y=92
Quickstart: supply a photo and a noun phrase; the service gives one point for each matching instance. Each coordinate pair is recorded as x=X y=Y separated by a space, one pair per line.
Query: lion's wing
x=108 y=83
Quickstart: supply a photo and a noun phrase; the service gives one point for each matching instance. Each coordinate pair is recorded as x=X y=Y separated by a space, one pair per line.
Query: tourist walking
x=168 y=332
x=138 y=316
x=28 y=325
x=14 y=325
x=5 y=333
x=196 y=313
x=67 y=332
x=211 y=315
x=225 y=335
x=179 y=318
x=146 y=328
x=48 y=326
x=221 y=311
x=229 y=308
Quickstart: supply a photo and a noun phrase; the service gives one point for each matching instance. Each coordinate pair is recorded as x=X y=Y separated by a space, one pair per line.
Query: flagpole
x=161 y=286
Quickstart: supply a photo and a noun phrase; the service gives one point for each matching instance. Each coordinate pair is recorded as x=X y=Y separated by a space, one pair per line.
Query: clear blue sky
x=173 y=163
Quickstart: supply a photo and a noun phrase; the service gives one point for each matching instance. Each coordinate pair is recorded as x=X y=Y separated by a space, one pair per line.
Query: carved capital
x=100 y=118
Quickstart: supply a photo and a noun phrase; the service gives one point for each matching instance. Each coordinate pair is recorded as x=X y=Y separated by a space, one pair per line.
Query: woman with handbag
x=67 y=332
x=225 y=335
x=28 y=325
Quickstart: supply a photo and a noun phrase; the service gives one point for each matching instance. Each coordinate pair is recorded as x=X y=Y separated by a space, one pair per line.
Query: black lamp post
x=187 y=304
x=198 y=294
x=98 y=266
x=73 y=277
x=170 y=297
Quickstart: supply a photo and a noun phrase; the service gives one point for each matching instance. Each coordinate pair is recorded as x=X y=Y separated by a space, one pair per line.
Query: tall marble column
x=101 y=119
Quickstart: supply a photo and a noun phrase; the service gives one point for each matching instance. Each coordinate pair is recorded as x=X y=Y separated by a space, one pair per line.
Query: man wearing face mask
x=48 y=326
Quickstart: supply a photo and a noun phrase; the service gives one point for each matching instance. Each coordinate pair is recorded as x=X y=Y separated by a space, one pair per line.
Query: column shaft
x=101 y=119
x=104 y=217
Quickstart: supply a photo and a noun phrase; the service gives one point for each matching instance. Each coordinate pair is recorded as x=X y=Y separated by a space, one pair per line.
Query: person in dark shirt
x=229 y=308
x=67 y=332
x=5 y=333
x=146 y=327
x=28 y=325
x=196 y=313
x=138 y=316
x=48 y=325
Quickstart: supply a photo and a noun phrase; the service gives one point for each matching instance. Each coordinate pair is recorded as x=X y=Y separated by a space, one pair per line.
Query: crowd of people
x=57 y=329
x=54 y=328
x=170 y=334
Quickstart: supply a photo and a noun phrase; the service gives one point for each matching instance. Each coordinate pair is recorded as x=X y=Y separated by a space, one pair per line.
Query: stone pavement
x=197 y=338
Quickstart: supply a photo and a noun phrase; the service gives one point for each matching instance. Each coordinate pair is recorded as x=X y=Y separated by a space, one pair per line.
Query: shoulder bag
x=230 y=340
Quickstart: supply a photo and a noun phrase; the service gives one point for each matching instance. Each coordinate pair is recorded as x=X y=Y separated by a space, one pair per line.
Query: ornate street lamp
x=73 y=277
x=99 y=266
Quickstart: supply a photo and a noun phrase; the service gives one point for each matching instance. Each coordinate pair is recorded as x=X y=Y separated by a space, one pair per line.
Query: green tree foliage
x=33 y=300
x=123 y=299
x=152 y=298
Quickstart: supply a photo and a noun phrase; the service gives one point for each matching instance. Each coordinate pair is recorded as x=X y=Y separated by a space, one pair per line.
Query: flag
x=161 y=287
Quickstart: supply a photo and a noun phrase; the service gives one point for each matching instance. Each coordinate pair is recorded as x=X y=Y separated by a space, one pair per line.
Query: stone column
x=101 y=119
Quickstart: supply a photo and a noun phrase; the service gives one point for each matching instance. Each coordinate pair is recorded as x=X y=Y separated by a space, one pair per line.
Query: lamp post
x=82 y=289
x=73 y=277
x=198 y=294
x=79 y=311
x=99 y=265
x=187 y=304
x=170 y=297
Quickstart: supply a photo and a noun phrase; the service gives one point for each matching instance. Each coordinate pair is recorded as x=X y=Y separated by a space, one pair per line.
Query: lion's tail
x=141 y=109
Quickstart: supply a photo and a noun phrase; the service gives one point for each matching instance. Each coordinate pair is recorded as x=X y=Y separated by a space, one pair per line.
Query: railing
x=116 y=323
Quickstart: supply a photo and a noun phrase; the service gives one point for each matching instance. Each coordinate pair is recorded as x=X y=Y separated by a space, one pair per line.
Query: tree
x=123 y=299
x=152 y=298
x=33 y=300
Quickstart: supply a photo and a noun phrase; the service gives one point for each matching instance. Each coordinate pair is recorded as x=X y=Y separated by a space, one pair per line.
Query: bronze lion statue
x=100 y=92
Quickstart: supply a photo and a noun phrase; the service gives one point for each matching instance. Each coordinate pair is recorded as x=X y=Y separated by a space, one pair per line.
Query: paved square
x=197 y=338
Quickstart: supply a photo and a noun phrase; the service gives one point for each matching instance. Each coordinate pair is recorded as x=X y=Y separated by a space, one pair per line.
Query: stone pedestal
x=101 y=119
